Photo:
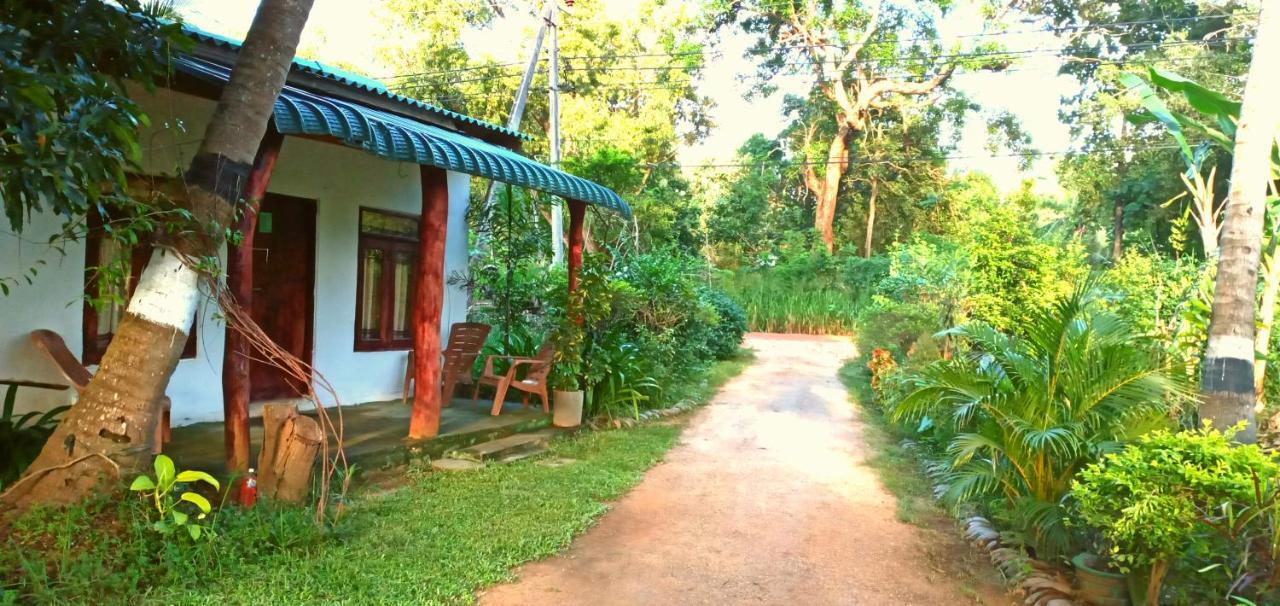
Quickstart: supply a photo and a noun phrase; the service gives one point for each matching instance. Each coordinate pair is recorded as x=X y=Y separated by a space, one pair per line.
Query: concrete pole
x=553 y=78
x=522 y=95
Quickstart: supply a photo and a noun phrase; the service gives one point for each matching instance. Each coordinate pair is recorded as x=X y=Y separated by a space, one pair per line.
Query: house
x=366 y=193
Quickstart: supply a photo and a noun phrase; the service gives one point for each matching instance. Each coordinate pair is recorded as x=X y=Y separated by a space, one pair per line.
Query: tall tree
x=1120 y=174
x=1227 y=381
x=865 y=58
x=112 y=424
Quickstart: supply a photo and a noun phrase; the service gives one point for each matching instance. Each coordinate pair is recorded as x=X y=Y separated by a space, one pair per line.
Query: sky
x=1031 y=90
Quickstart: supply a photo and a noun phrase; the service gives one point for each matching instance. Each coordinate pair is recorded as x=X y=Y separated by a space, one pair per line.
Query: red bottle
x=249 y=489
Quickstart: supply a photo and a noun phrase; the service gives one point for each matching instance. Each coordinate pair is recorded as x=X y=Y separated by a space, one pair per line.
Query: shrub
x=1171 y=495
x=22 y=436
x=725 y=336
x=1021 y=415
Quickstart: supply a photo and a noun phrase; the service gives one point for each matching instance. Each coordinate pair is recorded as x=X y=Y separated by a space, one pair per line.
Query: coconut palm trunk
x=1227 y=382
x=111 y=426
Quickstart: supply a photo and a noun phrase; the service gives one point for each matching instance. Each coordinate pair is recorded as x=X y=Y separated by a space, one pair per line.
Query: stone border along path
x=766 y=499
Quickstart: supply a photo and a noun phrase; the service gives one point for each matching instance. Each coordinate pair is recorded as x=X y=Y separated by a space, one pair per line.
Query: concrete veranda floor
x=374 y=432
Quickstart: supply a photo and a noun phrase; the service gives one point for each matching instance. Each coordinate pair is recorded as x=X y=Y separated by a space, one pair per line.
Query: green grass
x=776 y=305
x=897 y=465
x=443 y=537
x=437 y=539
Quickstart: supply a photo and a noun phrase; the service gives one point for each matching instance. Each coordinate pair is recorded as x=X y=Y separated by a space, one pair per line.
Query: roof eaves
x=359 y=82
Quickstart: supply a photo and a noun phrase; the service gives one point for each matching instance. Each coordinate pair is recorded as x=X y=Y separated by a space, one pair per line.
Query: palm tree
x=1021 y=415
x=1227 y=380
x=111 y=424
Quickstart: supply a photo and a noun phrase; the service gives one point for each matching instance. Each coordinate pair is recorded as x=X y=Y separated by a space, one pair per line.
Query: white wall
x=340 y=179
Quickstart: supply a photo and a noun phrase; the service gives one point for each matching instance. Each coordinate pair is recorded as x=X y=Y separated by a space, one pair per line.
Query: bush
x=726 y=335
x=650 y=325
x=1171 y=496
x=1019 y=416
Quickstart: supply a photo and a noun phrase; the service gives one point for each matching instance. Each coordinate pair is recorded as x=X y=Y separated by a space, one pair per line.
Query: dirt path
x=766 y=500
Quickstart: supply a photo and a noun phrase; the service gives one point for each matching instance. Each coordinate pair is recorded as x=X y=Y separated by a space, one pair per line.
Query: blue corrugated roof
x=299 y=112
x=358 y=81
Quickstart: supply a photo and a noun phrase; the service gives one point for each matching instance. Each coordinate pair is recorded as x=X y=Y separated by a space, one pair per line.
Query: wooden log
x=273 y=420
x=235 y=356
x=428 y=301
x=296 y=450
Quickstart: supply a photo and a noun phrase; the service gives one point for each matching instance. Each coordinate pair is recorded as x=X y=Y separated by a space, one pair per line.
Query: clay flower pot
x=567 y=411
x=1097 y=585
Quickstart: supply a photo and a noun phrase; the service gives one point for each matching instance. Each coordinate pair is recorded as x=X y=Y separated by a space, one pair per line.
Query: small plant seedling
x=162 y=489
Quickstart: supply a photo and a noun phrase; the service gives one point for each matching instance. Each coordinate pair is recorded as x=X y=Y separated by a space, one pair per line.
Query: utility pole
x=553 y=80
x=522 y=95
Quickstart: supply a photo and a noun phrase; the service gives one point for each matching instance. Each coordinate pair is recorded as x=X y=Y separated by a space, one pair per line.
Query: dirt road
x=766 y=500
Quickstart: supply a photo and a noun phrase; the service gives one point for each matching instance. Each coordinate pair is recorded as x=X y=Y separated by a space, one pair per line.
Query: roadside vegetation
x=431 y=538
x=1069 y=362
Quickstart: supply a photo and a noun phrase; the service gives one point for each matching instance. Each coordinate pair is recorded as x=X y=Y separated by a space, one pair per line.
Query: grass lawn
x=436 y=538
x=443 y=536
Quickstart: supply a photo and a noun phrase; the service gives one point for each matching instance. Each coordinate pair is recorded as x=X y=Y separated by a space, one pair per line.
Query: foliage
x=22 y=437
x=68 y=126
x=799 y=290
x=1015 y=271
x=1170 y=496
x=640 y=329
x=107 y=548
x=1020 y=415
x=161 y=491
x=726 y=334
x=448 y=543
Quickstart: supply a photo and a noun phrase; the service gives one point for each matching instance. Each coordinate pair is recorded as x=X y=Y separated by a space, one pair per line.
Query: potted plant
x=566 y=374
x=1100 y=584
x=1153 y=501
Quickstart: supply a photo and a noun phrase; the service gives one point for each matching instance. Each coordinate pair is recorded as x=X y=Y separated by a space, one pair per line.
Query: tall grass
x=777 y=304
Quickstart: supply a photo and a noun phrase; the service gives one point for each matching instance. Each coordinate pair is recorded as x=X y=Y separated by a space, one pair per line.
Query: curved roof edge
x=395 y=137
x=358 y=82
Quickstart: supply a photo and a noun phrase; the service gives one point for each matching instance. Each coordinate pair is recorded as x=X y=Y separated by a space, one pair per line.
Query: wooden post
x=428 y=300
x=273 y=419
x=296 y=449
x=235 y=355
x=577 y=215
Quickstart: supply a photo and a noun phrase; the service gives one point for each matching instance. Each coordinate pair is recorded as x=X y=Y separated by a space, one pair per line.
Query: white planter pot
x=568 y=409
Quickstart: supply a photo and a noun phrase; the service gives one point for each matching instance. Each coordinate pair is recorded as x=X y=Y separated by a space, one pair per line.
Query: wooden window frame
x=390 y=244
x=95 y=345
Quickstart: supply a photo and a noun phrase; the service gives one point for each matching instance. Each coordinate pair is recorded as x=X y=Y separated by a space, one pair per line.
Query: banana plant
x=1216 y=123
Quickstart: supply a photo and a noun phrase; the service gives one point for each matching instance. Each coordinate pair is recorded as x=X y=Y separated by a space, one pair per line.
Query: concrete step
x=503 y=450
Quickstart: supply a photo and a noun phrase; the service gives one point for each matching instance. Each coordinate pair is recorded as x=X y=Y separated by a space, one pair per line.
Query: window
x=112 y=269
x=386 y=266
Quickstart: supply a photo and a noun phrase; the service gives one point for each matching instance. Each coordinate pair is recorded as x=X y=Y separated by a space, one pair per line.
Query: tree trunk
x=827 y=188
x=871 y=217
x=1227 y=382
x=1117 y=229
x=1266 y=319
x=113 y=421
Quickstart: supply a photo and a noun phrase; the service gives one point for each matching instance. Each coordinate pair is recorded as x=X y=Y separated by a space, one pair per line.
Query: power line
x=903 y=61
x=901 y=160
x=1100 y=28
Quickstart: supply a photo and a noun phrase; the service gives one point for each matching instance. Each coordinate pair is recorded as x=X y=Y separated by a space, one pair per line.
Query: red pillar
x=577 y=214
x=235 y=355
x=428 y=300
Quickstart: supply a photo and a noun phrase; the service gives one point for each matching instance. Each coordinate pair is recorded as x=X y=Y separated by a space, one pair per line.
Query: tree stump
x=296 y=450
x=273 y=418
